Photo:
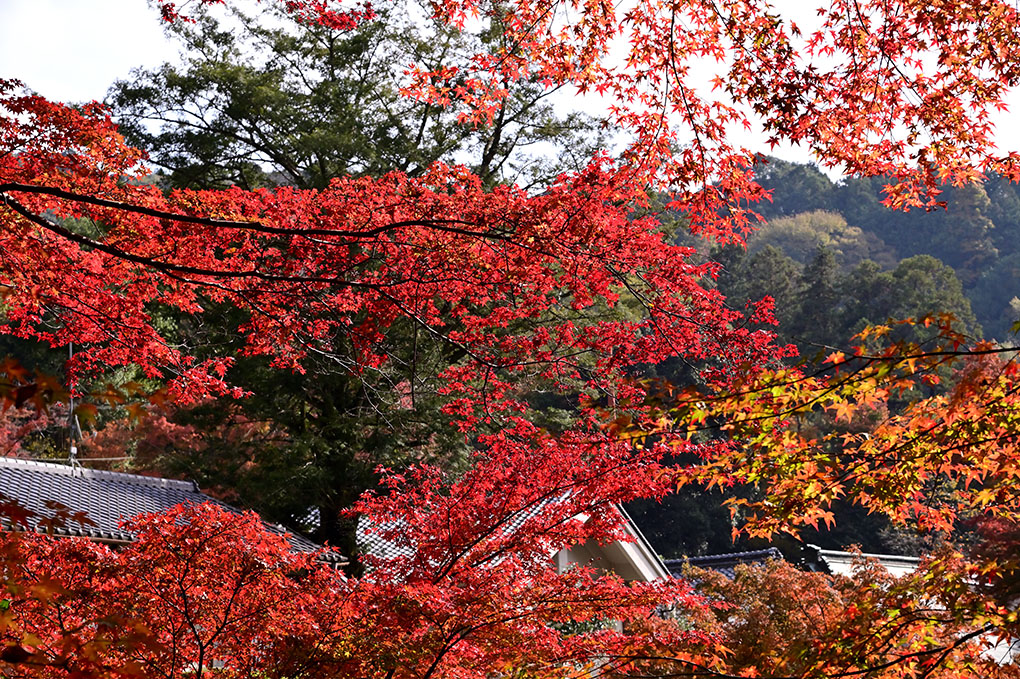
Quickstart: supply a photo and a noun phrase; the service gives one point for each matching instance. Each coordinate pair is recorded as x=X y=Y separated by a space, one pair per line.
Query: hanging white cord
x=72 y=420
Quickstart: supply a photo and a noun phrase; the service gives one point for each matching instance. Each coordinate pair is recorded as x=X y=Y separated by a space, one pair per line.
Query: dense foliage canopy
x=520 y=300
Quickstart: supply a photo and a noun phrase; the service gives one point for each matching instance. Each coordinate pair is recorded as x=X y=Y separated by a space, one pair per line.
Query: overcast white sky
x=73 y=50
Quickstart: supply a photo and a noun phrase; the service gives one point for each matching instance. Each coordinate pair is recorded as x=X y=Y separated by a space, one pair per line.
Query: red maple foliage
x=528 y=292
x=202 y=590
x=510 y=281
x=199 y=588
x=775 y=620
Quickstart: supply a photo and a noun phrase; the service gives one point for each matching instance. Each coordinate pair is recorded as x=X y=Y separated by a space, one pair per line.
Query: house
x=632 y=559
x=107 y=498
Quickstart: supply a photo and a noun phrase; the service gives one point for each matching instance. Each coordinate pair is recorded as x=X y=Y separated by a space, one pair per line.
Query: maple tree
x=566 y=292
x=928 y=441
x=775 y=620
x=205 y=591
x=262 y=98
x=199 y=588
x=475 y=588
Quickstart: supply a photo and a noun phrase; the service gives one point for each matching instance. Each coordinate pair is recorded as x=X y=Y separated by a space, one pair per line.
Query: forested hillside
x=880 y=263
x=836 y=260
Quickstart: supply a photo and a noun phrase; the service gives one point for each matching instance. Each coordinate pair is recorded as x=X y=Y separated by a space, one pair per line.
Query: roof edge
x=82 y=472
x=644 y=546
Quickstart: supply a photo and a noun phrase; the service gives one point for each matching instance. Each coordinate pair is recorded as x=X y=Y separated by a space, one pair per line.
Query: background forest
x=836 y=260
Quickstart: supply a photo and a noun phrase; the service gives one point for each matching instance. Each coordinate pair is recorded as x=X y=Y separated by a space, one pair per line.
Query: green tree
x=992 y=296
x=818 y=319
x=917 y=287
x=963 y=239
x=795 y=188
x=766 y=273
x=924 y=286
x=1004 y=211
x=263 y=100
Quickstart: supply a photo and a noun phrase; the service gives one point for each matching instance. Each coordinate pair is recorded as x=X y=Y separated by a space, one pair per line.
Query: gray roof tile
x=372 y=540
x=107 y=498
x=723 y=563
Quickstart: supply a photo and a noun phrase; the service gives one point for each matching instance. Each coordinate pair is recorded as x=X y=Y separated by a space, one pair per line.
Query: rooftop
x=723 y=563
x=107 y=498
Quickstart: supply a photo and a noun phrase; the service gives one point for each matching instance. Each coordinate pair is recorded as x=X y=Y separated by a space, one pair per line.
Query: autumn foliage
x=508 y=282
x=202 y=589
x=569 y=293
x=776 y=620
x=199 y=588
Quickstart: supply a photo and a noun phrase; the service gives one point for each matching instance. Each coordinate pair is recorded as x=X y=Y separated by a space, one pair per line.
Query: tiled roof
x=723 y=563
x=842 y=563
x=107 y=498
x=372 y=538
x=370 y=541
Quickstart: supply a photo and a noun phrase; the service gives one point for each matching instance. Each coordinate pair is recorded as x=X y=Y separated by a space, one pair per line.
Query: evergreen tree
x=766 y=273
x=819 y=319
x=795 y=188
x=264 y=100
x=963 y=239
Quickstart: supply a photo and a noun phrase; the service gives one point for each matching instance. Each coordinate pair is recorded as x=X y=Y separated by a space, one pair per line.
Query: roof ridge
x=641 y=540
x=56 y=467
x=835 y=553
x=770 y=551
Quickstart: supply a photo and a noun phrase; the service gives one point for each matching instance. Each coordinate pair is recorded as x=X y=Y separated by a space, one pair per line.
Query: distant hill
x=835 y=259
x=977 y=234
